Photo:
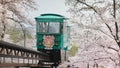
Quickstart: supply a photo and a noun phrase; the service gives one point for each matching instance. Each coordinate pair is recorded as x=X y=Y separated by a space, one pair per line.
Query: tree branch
x=87 y=5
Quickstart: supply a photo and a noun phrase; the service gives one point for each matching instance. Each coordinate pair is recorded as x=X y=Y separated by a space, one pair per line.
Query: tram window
x=54 y=27
x=49 y=27
x=43 y=27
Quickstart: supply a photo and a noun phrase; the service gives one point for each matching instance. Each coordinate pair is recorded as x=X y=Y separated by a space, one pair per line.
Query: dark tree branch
x=109 y=48
x=110 y=30
x=114 y=8
x=88 y=65
x=113 y=49
x=116 y=37
x=79 y=1
x=116 y=25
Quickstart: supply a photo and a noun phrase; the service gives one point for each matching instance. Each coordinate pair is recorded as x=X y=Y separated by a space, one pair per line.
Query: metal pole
x=24 y=32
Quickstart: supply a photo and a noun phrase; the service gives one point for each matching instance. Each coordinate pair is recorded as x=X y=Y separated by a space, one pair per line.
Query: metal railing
x=14 y=55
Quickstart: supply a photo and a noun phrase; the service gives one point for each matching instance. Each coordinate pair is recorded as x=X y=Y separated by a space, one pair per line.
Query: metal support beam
x=12 y=51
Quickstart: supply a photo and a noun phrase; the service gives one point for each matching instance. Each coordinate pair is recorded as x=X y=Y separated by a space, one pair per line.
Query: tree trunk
x=3 y=21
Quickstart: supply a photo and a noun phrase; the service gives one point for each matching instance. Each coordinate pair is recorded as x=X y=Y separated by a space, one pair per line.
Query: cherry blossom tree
x=100 y=37
x=14 y=11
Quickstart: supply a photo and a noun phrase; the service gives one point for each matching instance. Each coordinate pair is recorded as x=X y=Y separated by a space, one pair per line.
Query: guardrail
x=14 y=55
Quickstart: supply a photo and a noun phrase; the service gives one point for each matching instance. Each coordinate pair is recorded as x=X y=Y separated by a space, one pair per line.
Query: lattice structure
x=14 y=55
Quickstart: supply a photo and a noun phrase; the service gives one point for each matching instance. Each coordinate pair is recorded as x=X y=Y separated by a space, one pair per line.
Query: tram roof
x=50 y=16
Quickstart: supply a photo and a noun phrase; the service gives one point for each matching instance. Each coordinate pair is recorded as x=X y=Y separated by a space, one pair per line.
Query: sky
x=51 y=6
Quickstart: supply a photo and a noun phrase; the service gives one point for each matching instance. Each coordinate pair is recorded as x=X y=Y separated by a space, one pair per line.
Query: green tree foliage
x=73 y=50
x=16 y=35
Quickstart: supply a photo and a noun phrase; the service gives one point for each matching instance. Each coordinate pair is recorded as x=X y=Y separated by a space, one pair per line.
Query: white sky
x=51 y=6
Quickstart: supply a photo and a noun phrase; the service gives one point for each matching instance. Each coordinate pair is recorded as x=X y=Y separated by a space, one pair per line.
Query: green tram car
x=52 y=36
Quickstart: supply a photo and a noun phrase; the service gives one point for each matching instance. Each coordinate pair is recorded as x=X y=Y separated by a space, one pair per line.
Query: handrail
x=17 y=47
x=9 y=50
